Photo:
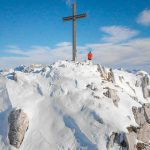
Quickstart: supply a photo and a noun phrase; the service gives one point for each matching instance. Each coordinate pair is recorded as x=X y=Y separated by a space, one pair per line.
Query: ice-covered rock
x=18 y=125
x=111 y=93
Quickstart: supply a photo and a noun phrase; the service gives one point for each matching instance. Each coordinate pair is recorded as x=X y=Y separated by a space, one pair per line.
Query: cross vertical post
x=74 y=50
x=73 y=18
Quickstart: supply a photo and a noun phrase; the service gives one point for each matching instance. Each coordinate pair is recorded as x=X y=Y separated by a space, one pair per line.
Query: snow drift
x=73 y=106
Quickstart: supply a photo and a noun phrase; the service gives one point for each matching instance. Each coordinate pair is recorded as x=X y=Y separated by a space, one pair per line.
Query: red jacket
x=90 y=55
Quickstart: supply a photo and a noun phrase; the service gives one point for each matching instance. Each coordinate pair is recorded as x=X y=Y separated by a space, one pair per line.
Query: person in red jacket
x=90 y=55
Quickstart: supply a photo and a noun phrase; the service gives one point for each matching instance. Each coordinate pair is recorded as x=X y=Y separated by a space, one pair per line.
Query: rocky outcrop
x=121 y=78
x=139 y=115
x=32 y=68
x=111 y=141
x=142 y=118
x=130 y=139
x=18 y=125
x=143 y=133
x=102 y=71
x=111 y=93
x=142 y=114
x=117 y=139
x=147 y=112
x=14 y=76
x=137 y=138
x=106 y=75
x=142 y=146
x=145 y=84
x=92 y=87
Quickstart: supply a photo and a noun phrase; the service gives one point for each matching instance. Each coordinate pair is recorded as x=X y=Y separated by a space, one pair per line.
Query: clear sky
x=32 y=31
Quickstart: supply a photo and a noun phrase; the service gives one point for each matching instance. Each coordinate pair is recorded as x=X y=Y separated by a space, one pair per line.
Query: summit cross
x=74 y=17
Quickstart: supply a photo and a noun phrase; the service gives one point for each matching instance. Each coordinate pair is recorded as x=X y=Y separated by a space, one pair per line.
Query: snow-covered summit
x=71 y=106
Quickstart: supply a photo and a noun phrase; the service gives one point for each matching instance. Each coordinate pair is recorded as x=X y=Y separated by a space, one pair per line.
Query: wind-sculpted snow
x=69 y=107
x=80 y=137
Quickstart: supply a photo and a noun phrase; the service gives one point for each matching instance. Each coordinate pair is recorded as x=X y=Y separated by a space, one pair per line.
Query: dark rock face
x=18 y=125
x=111 y=93
x=119 y=139
x=111 y=140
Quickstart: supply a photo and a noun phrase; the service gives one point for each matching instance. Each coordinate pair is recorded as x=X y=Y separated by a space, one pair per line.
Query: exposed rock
x=18 y=125
x=92 y=87
x=102 y=71
x=121 y=140
x=142 y=114
x=126 y=141
x=145 y=84
x=95 y=96
x=14 y=76
x=144 y=133
x=142 y=146
x=147 y=112
x=111 y=93
x=131 y=140
x=111 y=141
x=132 y=129
x=142 y=117
x=130 y=86
x=137 y=84
x=44 y=69
x=141 y=133
x=139 y=115
x=109 y=76
x=134 y=98
x=121 y=78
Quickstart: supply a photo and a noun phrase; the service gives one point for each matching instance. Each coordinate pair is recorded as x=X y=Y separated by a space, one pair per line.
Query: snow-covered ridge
x=71 y=105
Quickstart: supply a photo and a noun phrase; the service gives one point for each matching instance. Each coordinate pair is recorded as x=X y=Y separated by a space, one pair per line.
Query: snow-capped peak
x=71 y=105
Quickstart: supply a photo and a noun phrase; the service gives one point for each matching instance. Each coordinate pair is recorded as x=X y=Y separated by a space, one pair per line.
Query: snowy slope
x=66 y=106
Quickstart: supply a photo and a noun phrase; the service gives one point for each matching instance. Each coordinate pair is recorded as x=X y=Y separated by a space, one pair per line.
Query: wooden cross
x=73 y=18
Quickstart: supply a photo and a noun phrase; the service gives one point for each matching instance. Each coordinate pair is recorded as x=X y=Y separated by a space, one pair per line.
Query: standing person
x=90 y=55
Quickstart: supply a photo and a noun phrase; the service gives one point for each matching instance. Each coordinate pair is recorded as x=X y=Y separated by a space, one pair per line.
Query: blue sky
x=33 y=32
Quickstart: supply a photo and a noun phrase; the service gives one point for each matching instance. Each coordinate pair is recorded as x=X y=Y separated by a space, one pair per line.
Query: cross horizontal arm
x=81 y=16
x=75 y=17
x=68 y=18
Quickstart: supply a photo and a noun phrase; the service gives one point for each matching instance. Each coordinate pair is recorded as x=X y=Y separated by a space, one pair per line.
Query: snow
x=64 y=112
